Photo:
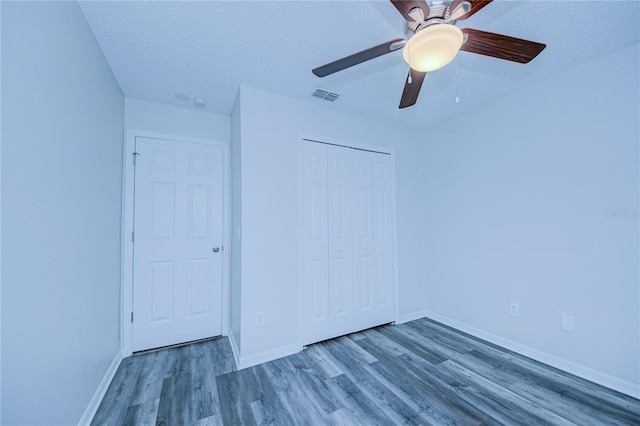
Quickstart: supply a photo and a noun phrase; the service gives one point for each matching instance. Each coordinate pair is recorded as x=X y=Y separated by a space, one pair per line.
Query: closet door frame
x=305 y=138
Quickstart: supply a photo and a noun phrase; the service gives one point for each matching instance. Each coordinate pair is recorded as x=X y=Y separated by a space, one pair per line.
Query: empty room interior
x=320 y=212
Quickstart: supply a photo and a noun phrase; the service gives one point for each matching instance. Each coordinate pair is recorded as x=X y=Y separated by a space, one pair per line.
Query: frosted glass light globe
x=433 y=47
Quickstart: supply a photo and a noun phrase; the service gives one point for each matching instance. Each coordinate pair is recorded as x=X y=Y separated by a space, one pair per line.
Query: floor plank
x=433 y=396
x=378 y=395
x=421 y=372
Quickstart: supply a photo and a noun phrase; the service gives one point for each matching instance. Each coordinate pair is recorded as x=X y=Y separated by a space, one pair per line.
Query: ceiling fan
x=433 y=40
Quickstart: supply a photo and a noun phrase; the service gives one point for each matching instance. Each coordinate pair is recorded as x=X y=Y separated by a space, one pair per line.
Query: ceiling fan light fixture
x=433 y=47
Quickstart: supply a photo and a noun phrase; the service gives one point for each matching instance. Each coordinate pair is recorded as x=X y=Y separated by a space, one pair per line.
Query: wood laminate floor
x=420 y=373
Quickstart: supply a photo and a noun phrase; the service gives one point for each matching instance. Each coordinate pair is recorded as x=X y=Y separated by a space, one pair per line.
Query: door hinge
x=131 y=317
x=134 y=157
x=133 y=236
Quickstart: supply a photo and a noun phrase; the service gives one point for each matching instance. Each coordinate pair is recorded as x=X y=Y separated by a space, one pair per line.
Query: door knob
x=216 y=249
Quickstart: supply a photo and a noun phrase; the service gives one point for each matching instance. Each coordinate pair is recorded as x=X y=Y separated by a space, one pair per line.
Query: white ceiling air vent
x=323 y=94
x=320 y=93
x=331 y=97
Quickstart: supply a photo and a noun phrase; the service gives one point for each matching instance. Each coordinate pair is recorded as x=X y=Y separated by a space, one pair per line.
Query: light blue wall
x=178 y=121
x=62 y=114
x=517 y=198
x=271 y=127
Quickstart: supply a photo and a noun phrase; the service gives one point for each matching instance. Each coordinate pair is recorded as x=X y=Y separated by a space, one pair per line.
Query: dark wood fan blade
x=476 y=5
x=360 y=57
x=412 y=90
x=501 y=46
x=404 y=7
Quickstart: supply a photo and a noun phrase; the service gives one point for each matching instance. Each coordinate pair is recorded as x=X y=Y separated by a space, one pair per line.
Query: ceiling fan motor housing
x=439 y=13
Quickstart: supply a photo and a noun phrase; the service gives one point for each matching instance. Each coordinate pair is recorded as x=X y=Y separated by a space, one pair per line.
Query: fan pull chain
x=456 y=77
x=409 y=80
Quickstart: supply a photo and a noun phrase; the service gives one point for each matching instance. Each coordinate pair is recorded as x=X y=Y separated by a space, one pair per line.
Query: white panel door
x=177 y=283
x=340 y=190
x=363 y=241
x=315 y=264
x=382 y=227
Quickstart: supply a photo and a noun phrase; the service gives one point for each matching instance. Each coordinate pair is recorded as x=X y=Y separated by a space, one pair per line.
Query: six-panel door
x=177 y=288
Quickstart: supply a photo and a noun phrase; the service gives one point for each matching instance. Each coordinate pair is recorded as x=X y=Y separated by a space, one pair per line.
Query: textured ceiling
x=208 y=48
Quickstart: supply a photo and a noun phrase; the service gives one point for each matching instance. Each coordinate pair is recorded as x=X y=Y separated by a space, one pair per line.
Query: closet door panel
x=340 y=241
x=315 y=264
x=383 y=238
x=363 y=241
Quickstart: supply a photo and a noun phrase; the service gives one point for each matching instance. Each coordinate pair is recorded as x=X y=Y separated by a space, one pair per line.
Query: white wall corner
x=234 y=348
x=92 y=408
x=266 y=356
x=620 y=385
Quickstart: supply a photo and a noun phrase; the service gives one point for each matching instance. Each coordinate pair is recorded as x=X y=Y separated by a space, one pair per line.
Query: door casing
x=128 y=194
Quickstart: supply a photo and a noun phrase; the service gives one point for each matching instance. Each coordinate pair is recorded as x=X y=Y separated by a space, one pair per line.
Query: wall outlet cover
x=568 y=323
x=514 y=309
x=260 y=319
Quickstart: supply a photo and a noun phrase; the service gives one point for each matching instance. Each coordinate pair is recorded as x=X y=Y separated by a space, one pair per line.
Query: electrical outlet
x=260 y=319
x=569 y=323
x=514 y=309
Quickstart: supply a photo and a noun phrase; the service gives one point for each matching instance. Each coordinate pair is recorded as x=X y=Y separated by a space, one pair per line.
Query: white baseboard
x=623 y=386
x=411 y=317
x=92 y=408
x=266 y=356
x=259 y=358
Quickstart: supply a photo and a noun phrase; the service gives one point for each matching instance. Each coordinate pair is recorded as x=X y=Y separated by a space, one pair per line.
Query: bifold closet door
x=346 y=254
x=327 y=264
x=372 y=240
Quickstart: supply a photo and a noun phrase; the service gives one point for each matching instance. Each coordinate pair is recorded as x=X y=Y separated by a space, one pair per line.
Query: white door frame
x=126 y=306
x=302 y=137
